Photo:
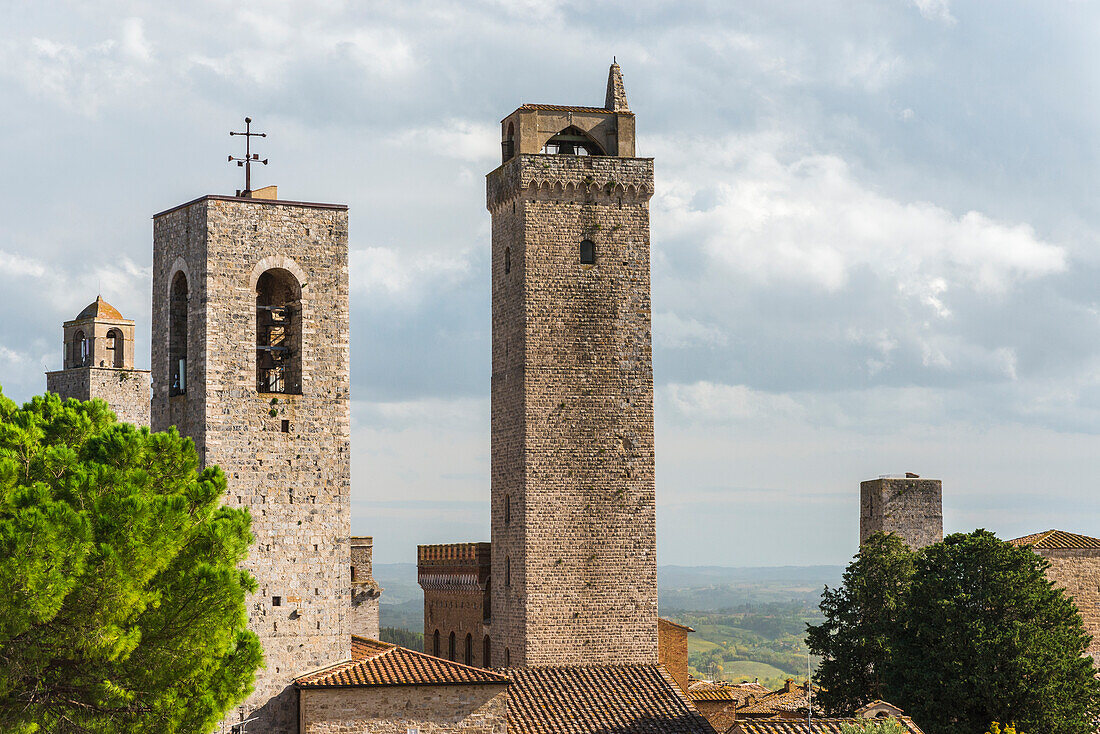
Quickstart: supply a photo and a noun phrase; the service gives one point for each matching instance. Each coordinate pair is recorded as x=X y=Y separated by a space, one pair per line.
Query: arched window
x=116 y=344
x=468 y=658
x=572 y=141
x=588 y=252
x=278 y=333
x=507 y=572
x=507 y=509
x=508 y=145
x=177 y=336
x=435 y=643
x=451 y=647
x=507 y=260
x=80 y=350
x=486 y=653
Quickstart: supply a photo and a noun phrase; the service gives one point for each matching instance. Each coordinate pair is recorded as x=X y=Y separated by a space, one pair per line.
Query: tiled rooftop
x=639 y=699
x=1058 y=540
x=789 y=699
x=377 y=663
x=562 y=108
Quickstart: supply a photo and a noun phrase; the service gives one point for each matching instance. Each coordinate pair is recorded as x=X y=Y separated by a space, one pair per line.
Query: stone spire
x=616 y=92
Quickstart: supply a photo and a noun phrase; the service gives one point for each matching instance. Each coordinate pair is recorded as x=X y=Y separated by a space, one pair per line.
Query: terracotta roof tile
x=1057 y=539
x=800 y=726
x=640 y=699
x=377 y=663
x=787 y=700
x=98 y=309
x=562 y=108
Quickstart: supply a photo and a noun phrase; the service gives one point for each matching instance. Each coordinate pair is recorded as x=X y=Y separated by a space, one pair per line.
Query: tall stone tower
x=251 y=360
x=98 y=362
x=908 y=506
x=574 y=557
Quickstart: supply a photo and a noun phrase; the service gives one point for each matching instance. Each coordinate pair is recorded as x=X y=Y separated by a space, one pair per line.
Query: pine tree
x=122 y=604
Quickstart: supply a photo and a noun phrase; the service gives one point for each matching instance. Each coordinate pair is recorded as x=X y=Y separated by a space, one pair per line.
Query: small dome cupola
x=99 y=309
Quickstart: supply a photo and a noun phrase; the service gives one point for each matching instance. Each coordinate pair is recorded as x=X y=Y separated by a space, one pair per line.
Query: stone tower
x=908 y=506
x=574 y=562
x=98 y=362
x=251 y=360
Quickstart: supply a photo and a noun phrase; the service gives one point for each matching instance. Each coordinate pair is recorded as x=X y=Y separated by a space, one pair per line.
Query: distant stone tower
x=365 y=591
x=251 y=360
x=908 y=506
x=574 y=556
x=99 y=363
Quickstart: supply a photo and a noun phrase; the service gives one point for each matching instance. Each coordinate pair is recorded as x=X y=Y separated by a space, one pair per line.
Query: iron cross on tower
x=249 y=156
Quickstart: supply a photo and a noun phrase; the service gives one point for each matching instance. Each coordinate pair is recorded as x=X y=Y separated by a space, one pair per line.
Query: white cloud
x=20 y=266
x=80 y=78
x=461 y=139
x=935 y=10
x=806 y=218
x=673 y=332
x=389 y=272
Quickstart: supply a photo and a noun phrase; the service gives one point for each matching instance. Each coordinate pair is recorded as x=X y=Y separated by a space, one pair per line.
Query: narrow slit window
x=435 y=643
x=507 y=260
x=451 y=647
x=588 y=252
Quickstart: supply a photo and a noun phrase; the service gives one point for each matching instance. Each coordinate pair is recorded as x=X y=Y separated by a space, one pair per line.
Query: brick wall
x=481 y=709
x=910 y=507
x=1078 y=572
x=456 y=582
x=126 y=391
x=286 y=457
x=572 y=412
x=672 y=650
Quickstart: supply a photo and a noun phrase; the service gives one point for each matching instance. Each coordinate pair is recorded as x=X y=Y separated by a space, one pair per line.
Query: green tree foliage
x=874 y=726
x=974 y=633
x=861 y=617
x=988 y=638
x=402 y=637
x=122 y=607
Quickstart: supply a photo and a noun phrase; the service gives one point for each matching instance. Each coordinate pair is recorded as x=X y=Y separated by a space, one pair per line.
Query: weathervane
x=249 y=156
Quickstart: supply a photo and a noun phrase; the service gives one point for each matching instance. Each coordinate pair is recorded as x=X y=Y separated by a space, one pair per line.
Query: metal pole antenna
x=249 y=156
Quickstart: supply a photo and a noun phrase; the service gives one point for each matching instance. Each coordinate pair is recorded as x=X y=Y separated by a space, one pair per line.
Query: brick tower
x=574 y=561
x=251 y=360
x=99 y=363
x=908 y=506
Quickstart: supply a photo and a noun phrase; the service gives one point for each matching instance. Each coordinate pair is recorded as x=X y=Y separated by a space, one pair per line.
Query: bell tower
x=574 y=557
x=98 y=362
x=251 y=360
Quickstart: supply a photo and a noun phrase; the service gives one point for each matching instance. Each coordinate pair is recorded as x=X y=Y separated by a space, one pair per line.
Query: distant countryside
x=750 y=623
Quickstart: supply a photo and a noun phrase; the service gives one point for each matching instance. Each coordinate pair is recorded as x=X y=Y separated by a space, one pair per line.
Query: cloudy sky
x=875 y=233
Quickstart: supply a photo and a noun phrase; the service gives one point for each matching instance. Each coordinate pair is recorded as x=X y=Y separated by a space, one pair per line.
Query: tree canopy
x=122 y=604
x=976 y=633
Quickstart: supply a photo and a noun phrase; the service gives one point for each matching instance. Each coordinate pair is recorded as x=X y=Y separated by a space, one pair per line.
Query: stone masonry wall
x=911 y=508
x=572 y=413
x=286 y=457
x=1078 y=572
x=364 y=618
x=481 y=709
x=126 y=391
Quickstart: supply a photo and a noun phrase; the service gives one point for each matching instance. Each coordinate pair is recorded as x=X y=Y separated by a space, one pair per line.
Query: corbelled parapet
x=586 y=178
x=454 y=565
